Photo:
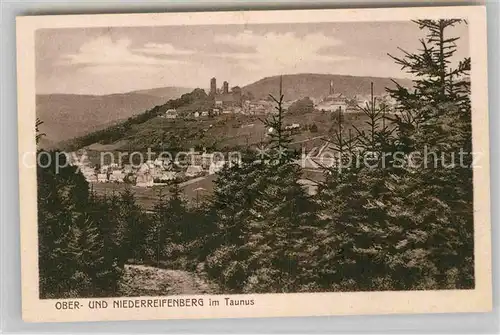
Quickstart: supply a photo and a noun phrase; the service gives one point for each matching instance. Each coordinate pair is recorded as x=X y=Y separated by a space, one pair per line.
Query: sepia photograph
x=197 y=166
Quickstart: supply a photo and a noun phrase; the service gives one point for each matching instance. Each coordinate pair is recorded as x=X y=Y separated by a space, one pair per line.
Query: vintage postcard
x=254 y=164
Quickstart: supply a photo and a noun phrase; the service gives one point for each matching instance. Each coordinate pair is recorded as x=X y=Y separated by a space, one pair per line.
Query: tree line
x=391 y=228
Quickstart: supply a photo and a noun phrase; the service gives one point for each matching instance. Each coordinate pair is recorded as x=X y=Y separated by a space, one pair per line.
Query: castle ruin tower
x=213 y=86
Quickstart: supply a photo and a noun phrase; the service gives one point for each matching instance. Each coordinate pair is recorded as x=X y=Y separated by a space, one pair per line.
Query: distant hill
x=165 y=92
x=66 y=116
x=296 y=86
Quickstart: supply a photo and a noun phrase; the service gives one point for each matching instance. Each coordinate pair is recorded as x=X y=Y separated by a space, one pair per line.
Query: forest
x=367 y=229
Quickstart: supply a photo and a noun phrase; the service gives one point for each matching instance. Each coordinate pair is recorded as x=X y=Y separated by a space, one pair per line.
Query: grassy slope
x=225 y=132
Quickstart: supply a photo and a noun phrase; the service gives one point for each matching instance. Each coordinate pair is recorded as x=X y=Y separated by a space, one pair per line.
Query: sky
x=122 y=59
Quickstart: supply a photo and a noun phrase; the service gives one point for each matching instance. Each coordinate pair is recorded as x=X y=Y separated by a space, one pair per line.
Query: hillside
x=68 y=115
x=313 y=85
x=139 y=122
x=222 y=133
x=226 y=132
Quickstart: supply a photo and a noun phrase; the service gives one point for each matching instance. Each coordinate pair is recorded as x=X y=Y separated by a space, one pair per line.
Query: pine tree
x=105 y=212
x=85 y=248
x=172 y=230
x=73 y=258
x=283 y=216
x=235 y=192
x=439 y=92
x=401 y=226
x=353 y=237
x=280 y=152
x=134 y=225
x=436 y=117
x=157 y=234
x=61 y=193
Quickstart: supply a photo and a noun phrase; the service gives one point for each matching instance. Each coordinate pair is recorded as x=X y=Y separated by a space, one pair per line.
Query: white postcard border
x=266 y=305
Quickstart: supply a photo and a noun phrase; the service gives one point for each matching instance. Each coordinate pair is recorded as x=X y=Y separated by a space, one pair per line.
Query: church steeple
x=332 y=91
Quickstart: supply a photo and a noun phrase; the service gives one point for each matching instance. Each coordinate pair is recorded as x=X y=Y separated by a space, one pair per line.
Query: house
x=202 y=160
x=193 y=171
x=102 y=178
x=117 y=176
x=333 y=103
x=226 y=98
x=144 y=180
x=148 y=165
x=215 y=167
x=257 y=107
x=127 y=168
x=171 y=114
x=167 y=175
x=293 y=127
x=158 y=163
x=206 y=159
x=145 y=175
x=204 y=113
x=196 y=114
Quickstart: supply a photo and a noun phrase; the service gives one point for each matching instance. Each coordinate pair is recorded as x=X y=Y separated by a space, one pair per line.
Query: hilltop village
x=225 y=102
x=235 y=101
